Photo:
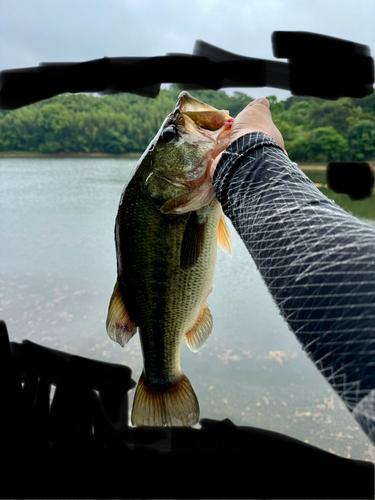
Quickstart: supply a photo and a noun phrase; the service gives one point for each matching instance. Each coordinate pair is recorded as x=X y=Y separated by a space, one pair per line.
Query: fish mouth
x=208 y=128
x=200 y=114
x=219 y=140
x=201 y=125
x=207 y=124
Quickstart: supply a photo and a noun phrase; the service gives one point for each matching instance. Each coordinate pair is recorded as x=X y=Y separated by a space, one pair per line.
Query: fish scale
x=167 y=229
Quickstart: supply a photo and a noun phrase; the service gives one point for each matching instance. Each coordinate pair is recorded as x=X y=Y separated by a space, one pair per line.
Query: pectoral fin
x=223 y=237
x=193 y=241
x=198 y=335
x=119 y=325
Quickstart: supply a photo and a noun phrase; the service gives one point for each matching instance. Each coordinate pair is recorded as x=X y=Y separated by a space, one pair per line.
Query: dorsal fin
x=223 y=237
x=120 y=326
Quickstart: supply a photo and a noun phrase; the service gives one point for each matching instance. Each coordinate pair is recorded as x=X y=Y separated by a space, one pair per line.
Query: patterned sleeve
x=317 y=261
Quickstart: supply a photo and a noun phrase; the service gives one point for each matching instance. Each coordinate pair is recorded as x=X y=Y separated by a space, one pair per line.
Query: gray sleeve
x=317 y=260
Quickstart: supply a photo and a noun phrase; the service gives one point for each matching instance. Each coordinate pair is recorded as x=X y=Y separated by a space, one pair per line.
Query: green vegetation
x=314 y=130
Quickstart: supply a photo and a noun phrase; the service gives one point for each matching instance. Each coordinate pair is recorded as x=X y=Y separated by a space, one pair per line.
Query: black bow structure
x=318 y=65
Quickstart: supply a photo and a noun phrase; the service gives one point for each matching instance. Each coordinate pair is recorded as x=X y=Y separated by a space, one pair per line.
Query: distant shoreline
x=136 y=156
x=20 y=154
x=324 y=167
x=313 y=167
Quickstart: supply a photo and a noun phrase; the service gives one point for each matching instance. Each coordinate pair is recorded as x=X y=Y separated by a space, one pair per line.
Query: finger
x=262 y=101
x=214 y=165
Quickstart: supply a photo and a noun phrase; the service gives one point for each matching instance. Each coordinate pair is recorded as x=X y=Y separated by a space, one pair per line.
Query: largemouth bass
x=167 y=228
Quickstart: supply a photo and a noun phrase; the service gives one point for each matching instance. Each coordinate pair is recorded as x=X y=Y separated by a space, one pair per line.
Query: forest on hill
x=314 y=130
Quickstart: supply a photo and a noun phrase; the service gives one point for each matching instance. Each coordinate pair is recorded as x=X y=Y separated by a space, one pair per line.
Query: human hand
x=256 y=117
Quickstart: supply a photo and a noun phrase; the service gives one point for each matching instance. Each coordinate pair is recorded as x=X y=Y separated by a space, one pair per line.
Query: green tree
x=300 y=147
x=287 y=131
x=54 y=117
x=272 y=99
x=300 y=114
x=313 y=129
x=328 y=145
x=334 y=114
x=361 y=139
x=318 y=145
x=112 y=141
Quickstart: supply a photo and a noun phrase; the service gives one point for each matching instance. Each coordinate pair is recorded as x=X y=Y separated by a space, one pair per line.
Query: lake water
x=58 y=269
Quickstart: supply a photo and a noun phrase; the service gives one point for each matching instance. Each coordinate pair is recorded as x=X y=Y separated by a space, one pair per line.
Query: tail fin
x=175 y=405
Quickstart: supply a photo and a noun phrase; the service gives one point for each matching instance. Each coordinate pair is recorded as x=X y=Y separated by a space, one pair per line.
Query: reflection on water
x=58 y=269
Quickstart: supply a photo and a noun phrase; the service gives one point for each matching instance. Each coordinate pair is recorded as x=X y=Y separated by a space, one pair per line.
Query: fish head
x=181 y=155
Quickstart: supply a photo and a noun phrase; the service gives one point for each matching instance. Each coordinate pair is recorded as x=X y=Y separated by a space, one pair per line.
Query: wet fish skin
x=166 y=236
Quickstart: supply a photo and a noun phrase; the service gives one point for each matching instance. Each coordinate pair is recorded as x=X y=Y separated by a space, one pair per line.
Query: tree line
x=314 y=130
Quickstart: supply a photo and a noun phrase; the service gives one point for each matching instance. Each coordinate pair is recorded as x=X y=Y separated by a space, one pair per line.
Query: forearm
x=317 y=260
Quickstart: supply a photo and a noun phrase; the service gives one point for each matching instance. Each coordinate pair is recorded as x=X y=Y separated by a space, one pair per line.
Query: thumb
x=261 y=100
x=214 y=165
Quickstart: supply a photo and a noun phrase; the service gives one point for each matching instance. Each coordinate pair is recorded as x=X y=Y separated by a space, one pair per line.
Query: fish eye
x=168 y=134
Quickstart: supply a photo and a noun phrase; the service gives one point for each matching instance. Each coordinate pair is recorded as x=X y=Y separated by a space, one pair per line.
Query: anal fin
x=198 y=335
x=119 y=325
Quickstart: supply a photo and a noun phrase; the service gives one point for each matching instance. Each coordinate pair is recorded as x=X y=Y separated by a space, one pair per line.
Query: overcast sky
x=34 y=31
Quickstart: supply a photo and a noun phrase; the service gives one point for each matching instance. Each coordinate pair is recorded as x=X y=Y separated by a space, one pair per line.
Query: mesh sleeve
x=317 y=260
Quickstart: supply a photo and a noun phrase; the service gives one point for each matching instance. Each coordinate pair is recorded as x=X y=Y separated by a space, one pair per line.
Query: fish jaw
x=220 y=139
x=201 y=189
x=215 y=137
x=205 y=123
x=204 y=127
